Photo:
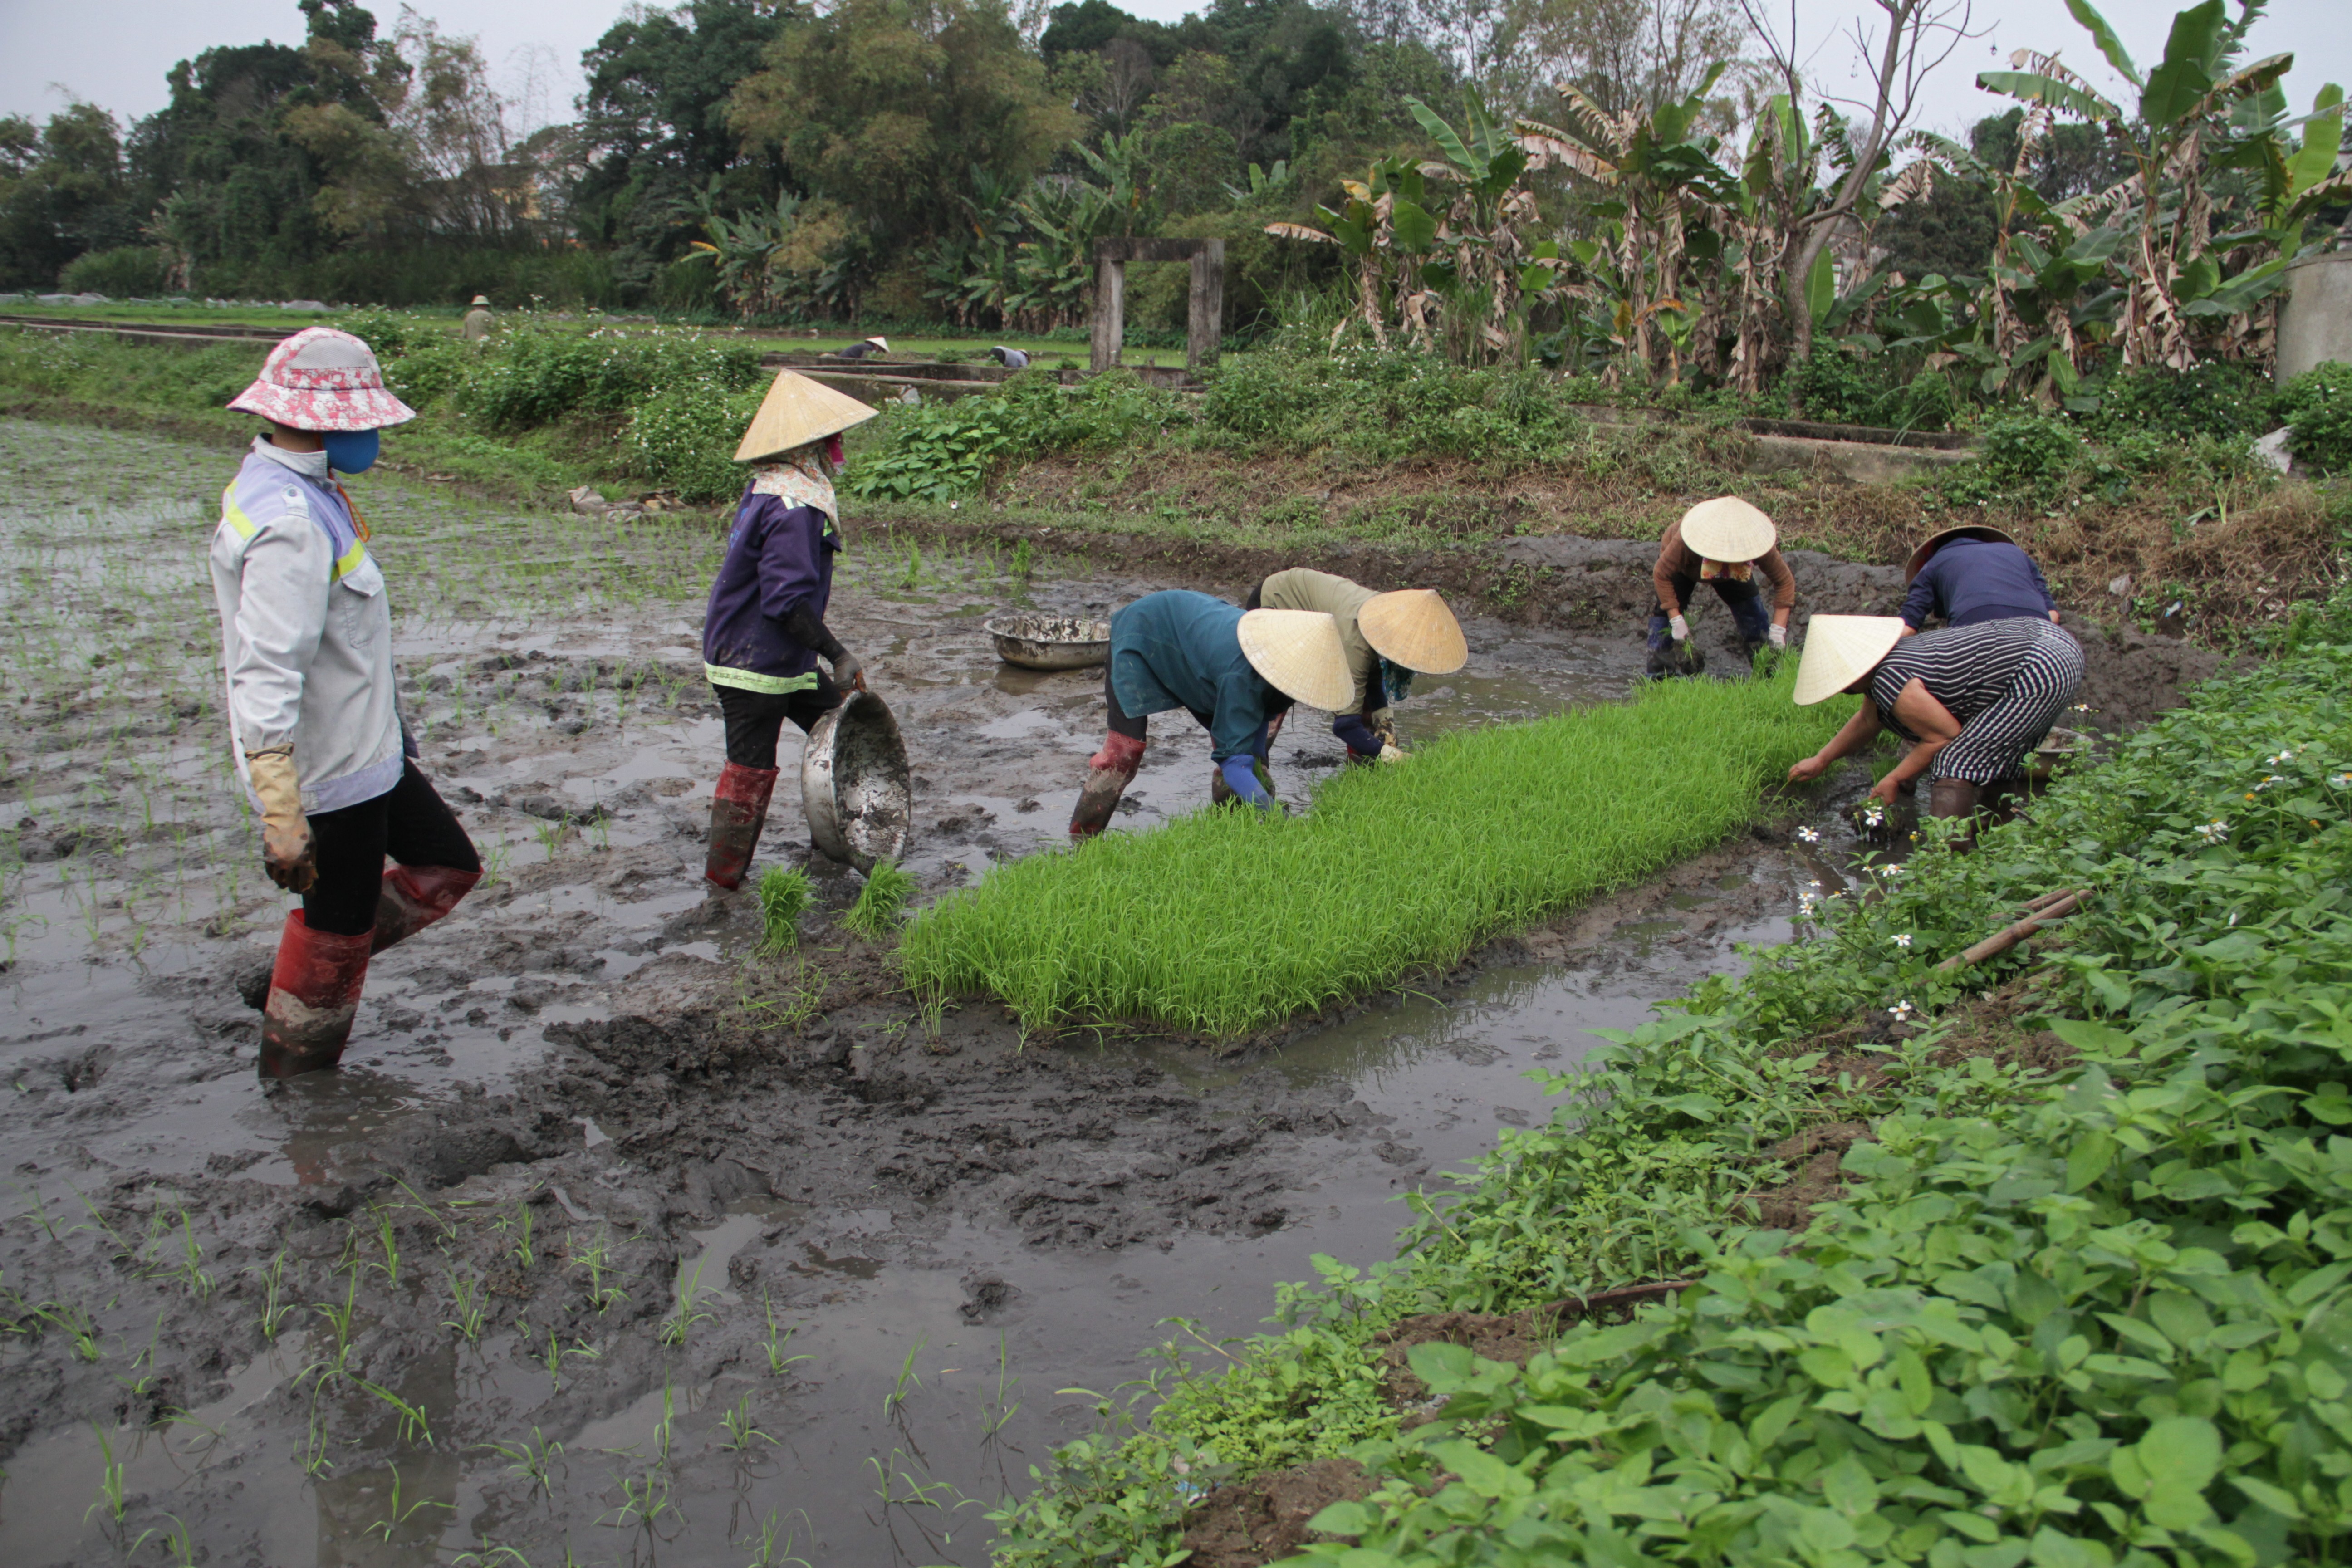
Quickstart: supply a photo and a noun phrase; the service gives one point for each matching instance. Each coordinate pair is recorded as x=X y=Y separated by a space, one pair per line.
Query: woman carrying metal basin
x=764 y=630
x=306 y=635
x=1233 y=671
x=1971 y=700
x=1388 y=637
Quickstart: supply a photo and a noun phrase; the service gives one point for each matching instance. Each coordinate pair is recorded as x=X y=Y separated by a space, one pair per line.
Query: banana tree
x=1658 y=181
x=2197 y=109
x=741 y=248
x=1383 y=225
x=1482 y=264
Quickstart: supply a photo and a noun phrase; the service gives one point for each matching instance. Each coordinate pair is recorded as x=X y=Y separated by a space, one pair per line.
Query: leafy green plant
x=875 y=916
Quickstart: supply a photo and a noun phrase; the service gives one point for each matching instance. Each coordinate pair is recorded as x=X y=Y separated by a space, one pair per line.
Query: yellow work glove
x=288 y=851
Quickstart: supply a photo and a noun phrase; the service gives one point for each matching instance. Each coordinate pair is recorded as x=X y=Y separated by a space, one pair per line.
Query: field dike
x=618 y=1236
x=1867 y=1255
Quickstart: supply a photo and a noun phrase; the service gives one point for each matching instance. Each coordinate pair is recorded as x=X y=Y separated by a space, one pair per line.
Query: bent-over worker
x=1722 y=542
x=864 y=347
x=314 y=724
x=1972 y=574
x=1388 y=638
x=1010 y=359
x=764 y=630
x=1233 y=671
x=1971 y=700
x=479 y=321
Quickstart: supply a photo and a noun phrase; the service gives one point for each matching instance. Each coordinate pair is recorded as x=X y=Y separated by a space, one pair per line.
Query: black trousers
x=409 y=822
x=754 y=719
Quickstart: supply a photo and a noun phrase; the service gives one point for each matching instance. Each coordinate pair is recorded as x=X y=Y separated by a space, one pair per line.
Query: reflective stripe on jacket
x=306 y=632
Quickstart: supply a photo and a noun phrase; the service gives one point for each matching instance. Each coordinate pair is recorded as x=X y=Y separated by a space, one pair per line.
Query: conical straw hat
x=1841 y=649
x=795 y=412
x=1412 y=628
x=1935 y=541
x=1726 y=529
x=1299 y=654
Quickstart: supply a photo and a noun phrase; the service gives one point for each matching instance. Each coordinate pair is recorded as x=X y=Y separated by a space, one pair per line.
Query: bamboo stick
x=2003 y=940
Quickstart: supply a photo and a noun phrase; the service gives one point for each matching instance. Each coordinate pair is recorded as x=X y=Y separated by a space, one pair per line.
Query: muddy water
x=613 y=1237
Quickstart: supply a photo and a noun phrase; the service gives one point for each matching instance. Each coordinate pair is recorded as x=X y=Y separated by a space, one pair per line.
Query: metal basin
x=855 y=783
x=1050 y=642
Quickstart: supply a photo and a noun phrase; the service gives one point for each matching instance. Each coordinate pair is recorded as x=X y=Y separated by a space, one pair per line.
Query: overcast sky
x=115 y=52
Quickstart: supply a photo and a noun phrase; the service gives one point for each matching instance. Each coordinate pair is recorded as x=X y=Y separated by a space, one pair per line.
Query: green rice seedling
x=178 y=1544
x=874 y=915
x=78 y=1323
x=741 y=1427
x=532 y=1458
x=274 y=1307
x=784 y=897
x=683 y=1314
x=775 y=1547
x=109 y=1480
x=338 y=1319
x=519 y=1226
x=414 y=1428
x=998 y=1412
x=558 y=1352
x=495 y=1557
x=596 y=1259
x=907 y=1377
x=385 y=1237
x=399 y=1515
x=644 y=1499
x=1226 y=921
x=775 y=1344
x=664 y=1428
x=494 y=863
x=1024 y=560
x=35 y=1209
x=914 y=576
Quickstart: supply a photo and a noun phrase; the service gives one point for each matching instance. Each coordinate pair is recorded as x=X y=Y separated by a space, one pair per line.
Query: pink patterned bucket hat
x=321 y=379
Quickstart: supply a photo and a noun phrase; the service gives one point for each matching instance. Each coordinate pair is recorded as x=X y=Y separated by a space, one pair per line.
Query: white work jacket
x=305 y=633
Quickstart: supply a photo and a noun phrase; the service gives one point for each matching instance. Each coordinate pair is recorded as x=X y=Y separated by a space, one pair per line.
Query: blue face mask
x=352 y=451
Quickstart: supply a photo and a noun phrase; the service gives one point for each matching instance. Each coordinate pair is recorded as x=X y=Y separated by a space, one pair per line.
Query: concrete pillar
x=1110 y=315
x=2315 y=322
x=1205 y=317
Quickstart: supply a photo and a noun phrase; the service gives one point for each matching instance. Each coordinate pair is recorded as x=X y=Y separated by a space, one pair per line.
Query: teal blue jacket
x=1183 y=649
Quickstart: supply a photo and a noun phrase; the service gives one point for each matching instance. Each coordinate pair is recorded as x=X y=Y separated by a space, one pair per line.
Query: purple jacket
x=778 y=559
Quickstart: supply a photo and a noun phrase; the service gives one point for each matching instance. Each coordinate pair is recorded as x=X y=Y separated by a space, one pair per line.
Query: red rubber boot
x=413 y=897
x=738 y=809
x=1113 y=769
x=314 y=990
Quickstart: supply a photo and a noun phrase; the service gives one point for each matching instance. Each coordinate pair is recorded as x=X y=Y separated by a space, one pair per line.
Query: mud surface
x=615 y=1235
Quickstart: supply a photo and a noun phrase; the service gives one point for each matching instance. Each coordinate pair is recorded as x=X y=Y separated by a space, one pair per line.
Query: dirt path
x=612 y=1236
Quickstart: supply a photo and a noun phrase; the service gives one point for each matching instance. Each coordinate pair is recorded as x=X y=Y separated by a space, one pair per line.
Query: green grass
x=1225 y=920
x=785 y=895
x=881 y=902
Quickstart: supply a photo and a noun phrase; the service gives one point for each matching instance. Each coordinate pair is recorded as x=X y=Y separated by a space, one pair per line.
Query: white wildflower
x=1903 y=939
x=1901 y=1012
x=2213 y=832
x=1809 y=835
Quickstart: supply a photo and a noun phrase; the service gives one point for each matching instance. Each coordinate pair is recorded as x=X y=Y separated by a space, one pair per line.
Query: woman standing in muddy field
x=1971 y=700
x=306 y=635
x=764 y=630
x=1236 y=671
x=1388 y=637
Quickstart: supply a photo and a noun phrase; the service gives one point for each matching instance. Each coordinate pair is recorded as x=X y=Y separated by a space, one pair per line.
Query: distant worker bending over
x=863 y=348
x=1010 y=359
x=314 y=722
x=1388 y=638
x=764 y=630
x=479 y=322
x=1725 y=544
x=1233 y=671
x=1972 y=574
x=1971 y=700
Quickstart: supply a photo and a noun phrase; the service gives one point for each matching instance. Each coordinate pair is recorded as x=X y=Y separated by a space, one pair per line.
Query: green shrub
x=534 y=374
x=684 y=437
x=1384 y=406
x=2024 y=458
x=940 y=450
x=1834 y=385
x=2317 y=406
x=126 y=271
x=2220 y=397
